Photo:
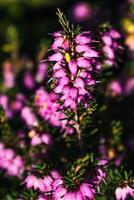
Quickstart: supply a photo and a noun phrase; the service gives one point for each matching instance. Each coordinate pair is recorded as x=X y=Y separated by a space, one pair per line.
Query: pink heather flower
x=29 y=117
x=55 y=175
x=48 y=181
x=28 y=80
x=81 y=11
x=46 y=138
x=56 y=57
x=60 y=41
x=39 y=184
x=118 y=193
x=69 y=196
x=59 y=193
x=108 y=52
x=36 y=140
x=114 y=34
x=8 y=75
x=114 y=88
x=110 y=46
x=101 y=175
x=42 y=197
x=49 y=109
x=78 y=195
x=41 y=72
x=80 y=39
x=129 y=86
x=69 y=65
x=30 y=179
x=13 y=164
x=123 y=193
x=4 y=103
x=73 y=67
x=107 y=40
x=87 y=190
x=102 y=162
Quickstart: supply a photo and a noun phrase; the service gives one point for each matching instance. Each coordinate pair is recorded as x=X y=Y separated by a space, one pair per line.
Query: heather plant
x=61 y=135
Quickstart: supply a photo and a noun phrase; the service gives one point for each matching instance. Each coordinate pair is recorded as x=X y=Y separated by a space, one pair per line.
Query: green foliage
x=70 y=30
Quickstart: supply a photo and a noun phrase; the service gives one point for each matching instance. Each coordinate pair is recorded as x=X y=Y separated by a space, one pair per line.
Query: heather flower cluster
x=111 y=46
x=122 y=87
x=75 y=59
x=50 y=110
x=28 y=116
x=37 y=139
x=123 y=193
x=54 y=186
x=10 y=162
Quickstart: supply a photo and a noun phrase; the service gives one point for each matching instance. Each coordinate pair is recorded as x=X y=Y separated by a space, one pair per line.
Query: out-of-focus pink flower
x=29 y=117
x=9 y=161
x=129 y=86
x=46 y=138
x=122 y=193
x=41 y=72
x=8 y=75
x=49 y=109
x=81 y=11
x=114 y=88
x=111 y=46
x=28 y=80
x=87 y=190
x=36 y=140
x=30 y=179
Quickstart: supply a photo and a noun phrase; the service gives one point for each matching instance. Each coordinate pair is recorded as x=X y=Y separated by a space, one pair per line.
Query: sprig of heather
x=10 y=162
x=111 y=46
x=50 y=110
x=76 y=184
x=75 y=59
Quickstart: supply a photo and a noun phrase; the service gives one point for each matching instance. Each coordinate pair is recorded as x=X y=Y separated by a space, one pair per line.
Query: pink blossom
x=87 y=191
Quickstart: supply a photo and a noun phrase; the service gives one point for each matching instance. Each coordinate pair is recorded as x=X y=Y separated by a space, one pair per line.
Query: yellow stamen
x=67 y=57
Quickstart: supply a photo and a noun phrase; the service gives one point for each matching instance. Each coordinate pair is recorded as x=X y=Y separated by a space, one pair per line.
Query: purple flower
x=123 y=193
x=87 y=190
x=73 y=67
x=111 y=46
x=49 y=109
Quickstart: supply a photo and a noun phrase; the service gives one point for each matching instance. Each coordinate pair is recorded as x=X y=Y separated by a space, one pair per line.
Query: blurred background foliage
x=25 y=24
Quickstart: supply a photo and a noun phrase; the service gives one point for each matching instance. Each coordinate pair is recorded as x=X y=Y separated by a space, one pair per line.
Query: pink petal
x=82 y=48
x=118 y=193
x=56 y=57
x=91 y=54
x=82 y=39
x=68 y=102
x=83 y=62
x=64 y=81
x=87 y=191
x=57 y=66
x=107 y=40
x=73 y=67
x=66 y=90
x=74 y=93
x=109 y=52
x=114 y=34
x=57 y=43
x=79 y=82
x=59 y=89
x=59 y=73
